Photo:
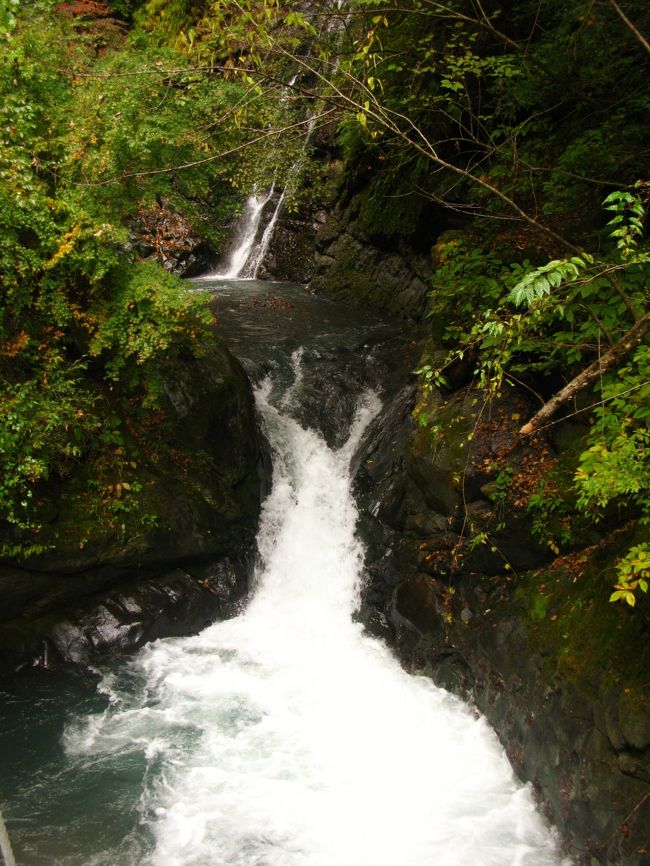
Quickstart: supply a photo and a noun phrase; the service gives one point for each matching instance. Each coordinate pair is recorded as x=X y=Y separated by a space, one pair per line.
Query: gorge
x=270 y=737
x=279 y=555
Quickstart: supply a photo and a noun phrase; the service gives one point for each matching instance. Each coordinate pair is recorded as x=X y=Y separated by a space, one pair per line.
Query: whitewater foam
x=286 y=736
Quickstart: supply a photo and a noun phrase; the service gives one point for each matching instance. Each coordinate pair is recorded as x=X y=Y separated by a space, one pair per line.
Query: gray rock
x=187 y=525
x=172 y=604
x=351 y=265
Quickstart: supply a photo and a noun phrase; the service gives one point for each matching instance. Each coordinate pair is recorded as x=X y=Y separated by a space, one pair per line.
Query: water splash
x=286 y=737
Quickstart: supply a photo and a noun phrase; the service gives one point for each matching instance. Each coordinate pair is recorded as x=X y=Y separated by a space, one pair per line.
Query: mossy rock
x=186 y=492
x=584 y=637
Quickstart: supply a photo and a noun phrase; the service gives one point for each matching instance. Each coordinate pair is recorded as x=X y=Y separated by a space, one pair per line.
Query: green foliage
x=430 y=377
x=551 y=512
x=546 y=103
x=467 y=280
x=83 y=139
x=8 y=10
x=626 y=226
x=633 y=574
x=572 y=307
x=46 y=425
x=617 y=469
x=538 y=283
x=520 y=319
x=150 y=318
x=615 y=466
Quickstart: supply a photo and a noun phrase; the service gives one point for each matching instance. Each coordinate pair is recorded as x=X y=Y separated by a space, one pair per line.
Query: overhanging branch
x=628 y=341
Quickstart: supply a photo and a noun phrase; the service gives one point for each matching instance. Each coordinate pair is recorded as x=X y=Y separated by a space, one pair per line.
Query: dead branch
x=629 y=24
x=627 y=342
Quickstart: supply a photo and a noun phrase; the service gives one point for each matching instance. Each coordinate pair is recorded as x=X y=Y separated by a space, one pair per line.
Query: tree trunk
x=627 y=342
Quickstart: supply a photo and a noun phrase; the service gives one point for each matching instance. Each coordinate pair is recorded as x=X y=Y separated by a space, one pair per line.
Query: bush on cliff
x=88 y=118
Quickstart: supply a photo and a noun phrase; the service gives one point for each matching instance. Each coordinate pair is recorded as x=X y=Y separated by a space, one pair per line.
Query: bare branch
x=628 y=341
x=629 y=24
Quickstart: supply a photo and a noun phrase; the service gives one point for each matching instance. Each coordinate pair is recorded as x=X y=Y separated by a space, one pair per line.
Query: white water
x=257 y=257
x=238 y=266
x=286 y=737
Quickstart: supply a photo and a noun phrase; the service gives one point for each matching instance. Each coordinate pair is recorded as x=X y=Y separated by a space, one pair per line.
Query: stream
x=285 y=736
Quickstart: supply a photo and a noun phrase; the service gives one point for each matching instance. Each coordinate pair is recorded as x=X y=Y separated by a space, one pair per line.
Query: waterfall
x=248 y=255
x=288 y=737
x=259 y=252
x=244 y=253
x=249 y=252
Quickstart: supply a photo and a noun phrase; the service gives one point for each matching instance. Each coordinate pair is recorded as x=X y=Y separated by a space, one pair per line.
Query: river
x=285 y=736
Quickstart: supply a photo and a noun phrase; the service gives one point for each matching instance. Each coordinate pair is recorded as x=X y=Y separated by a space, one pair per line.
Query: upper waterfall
x=248 y=247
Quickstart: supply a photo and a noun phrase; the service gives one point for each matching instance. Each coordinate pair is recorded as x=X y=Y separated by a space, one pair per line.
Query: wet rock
x=634 y=765
x=419 y=600
x=634 y=720
x=353 y=266
x=172 y=604
x=378 y=625
x=379 y=463
x=612 y=724
x=176 y=523
x=452 y=672
x=328 y=395
x=290 y=255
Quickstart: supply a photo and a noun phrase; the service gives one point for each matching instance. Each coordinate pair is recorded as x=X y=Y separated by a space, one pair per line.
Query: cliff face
x=196 y=504
x=346 y=246
x=528 y=636
x=353 y=265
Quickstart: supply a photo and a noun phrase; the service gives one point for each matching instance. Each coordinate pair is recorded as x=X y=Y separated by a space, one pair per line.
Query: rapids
x=285 y=736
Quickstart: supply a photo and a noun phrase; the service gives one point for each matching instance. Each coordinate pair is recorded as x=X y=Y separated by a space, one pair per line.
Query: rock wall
x=291 y=250
x=197 y=510
x=528 y=636
x=351 y=264
x=342 y=243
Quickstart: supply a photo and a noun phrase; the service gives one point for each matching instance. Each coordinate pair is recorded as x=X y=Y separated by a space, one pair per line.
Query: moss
x=389 y=205
x=390 y=211
x=444 y=427
x=346 y=281
x=584 y=638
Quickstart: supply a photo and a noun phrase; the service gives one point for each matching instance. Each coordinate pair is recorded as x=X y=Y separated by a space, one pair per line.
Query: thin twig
x=629 y=24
